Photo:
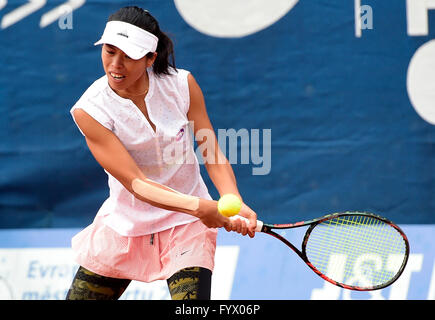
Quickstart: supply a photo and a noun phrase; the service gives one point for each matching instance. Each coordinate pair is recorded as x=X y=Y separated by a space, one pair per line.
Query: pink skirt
x=100 y=249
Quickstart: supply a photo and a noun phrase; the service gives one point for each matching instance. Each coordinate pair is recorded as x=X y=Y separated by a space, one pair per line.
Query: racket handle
x=259 y=223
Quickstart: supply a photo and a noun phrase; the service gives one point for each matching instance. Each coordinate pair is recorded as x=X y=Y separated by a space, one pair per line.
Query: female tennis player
x=159 y=221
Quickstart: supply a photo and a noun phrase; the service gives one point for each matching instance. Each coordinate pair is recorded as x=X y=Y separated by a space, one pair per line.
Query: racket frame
x=268 y=228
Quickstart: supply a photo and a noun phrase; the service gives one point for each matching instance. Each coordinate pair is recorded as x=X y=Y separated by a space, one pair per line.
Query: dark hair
x=143 y=19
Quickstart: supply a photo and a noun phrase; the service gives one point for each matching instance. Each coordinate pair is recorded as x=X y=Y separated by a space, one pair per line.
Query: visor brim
x=133 y=51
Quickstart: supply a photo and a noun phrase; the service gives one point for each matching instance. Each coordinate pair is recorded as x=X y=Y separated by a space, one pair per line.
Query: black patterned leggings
x=187 y=284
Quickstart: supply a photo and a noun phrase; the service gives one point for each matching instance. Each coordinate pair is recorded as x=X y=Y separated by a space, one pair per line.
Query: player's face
x=122 y=71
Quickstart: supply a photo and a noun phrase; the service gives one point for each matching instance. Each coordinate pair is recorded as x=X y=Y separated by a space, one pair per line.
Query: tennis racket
x=352 y=250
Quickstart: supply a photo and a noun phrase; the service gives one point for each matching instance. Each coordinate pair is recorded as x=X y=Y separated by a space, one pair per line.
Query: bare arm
x=217 y=165
x=111 y=154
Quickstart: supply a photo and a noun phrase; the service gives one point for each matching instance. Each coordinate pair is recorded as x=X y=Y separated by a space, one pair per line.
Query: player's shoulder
x=97 y=94
x=97 y=88
x=173 y=74
x=175 y=80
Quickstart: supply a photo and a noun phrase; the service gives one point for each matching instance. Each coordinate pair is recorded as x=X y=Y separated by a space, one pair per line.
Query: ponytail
x=165 y=55
x=165 y=60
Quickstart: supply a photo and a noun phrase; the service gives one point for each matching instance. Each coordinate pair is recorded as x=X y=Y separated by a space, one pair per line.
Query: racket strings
x=356 y=250
x=368 y=244
x=348 y=241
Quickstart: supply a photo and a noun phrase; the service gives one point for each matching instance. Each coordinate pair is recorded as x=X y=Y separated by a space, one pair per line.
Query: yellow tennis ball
x=229 y=205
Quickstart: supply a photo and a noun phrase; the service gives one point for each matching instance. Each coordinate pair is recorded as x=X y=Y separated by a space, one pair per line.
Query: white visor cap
x=134 y=41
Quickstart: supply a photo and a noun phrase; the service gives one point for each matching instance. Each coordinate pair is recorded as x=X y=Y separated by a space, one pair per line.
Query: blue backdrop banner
x=323 y=106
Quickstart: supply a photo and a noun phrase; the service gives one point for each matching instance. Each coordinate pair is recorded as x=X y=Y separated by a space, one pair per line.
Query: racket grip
x=259 y=223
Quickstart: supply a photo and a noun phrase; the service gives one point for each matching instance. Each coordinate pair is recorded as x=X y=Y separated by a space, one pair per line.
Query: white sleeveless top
x=166 y=156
